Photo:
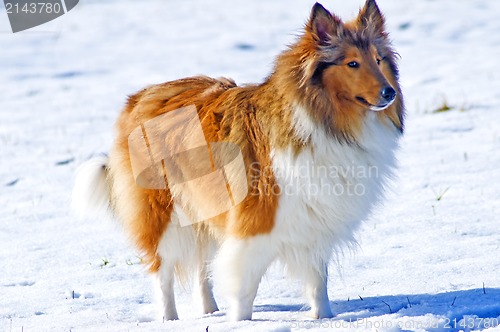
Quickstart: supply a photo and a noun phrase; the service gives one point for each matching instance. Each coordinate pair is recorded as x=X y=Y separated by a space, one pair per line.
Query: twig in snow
x=387 y=304
x=65 y=162
x=484 y=289
x=440 y=194
x=453 y=301
x=12 y=183
x=408 y=299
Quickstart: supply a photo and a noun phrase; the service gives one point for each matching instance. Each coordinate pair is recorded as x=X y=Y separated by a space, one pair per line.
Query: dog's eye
x=378 y=61
x=353 y=64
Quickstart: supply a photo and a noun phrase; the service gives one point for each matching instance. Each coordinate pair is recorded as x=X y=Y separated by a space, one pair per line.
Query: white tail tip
x=91 y=192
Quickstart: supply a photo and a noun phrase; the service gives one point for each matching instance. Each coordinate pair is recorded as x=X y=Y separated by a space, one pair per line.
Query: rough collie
x=315 y=143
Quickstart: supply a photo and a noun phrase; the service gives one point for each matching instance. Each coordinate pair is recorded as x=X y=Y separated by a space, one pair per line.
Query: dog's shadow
x=484 y=303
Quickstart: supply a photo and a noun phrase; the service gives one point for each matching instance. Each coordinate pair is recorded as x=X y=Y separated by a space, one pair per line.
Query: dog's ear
x=323 y=25
x=371 y=18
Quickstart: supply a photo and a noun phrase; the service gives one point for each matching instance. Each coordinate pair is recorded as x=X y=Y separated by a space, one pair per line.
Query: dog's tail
x=92 y=191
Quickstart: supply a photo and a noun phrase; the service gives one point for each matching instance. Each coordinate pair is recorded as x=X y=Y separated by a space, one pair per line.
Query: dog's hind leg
x=165 y=279
x=177 y=250
x=203 y=283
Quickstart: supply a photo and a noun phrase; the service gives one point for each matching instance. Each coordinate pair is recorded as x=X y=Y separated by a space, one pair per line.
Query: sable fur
x=311 y=76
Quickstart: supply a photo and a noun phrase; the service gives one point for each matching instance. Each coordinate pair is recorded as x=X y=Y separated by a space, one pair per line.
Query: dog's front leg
x=240 y=265
x=316 y=291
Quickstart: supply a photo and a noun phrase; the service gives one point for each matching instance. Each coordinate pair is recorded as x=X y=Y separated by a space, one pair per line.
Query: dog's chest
x=329 y=187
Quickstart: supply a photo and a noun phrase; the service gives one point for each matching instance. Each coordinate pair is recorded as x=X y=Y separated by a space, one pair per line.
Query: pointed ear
x=370 y=17
x=323 y=25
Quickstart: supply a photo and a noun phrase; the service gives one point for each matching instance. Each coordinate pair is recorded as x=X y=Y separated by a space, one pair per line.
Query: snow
x=424 y=257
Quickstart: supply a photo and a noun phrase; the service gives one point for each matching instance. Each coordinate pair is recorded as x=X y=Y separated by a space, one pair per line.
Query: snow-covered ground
x=424 y=257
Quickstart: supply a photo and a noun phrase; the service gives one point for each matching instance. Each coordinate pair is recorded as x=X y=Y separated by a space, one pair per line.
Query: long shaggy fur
x=332 y=102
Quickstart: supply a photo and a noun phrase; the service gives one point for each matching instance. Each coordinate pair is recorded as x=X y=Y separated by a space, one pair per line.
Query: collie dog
x=315 y=144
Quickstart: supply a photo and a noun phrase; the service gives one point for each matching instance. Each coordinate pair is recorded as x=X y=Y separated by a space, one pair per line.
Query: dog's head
x=348 y=69
x=355 y=61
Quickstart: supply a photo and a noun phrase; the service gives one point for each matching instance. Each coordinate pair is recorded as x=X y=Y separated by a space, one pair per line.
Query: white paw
x=319 y=313
x=239 y=314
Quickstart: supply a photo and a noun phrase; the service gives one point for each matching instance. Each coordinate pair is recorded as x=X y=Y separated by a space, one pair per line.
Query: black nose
x=388 y=93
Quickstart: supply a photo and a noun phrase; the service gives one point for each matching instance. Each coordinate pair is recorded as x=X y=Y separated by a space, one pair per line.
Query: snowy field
x=429 y=259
